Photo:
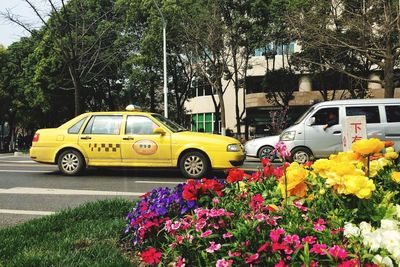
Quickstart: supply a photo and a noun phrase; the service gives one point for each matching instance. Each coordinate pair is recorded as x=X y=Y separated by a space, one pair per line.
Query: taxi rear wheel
x=71 y=162
x=194 y=165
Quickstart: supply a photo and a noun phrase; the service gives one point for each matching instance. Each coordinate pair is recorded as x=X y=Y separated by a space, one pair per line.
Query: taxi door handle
x=86 y=137
x=128 y=138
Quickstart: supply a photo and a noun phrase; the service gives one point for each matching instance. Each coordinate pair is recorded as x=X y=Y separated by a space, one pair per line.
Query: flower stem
x=368 y=166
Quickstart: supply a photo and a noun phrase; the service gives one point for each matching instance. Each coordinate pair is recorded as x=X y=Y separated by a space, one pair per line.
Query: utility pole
x=165 y=60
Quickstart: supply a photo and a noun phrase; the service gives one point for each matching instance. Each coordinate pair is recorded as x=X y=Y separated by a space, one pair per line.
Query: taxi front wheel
x=194 y=165
x=71 y=162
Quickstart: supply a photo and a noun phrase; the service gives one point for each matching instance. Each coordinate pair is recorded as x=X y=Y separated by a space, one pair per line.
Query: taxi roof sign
x=132 y=107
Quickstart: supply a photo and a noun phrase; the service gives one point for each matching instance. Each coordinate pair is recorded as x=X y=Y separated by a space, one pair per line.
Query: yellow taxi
x=133 y=139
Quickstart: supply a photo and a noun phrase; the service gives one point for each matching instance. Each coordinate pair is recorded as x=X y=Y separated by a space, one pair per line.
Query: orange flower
x=389 y=143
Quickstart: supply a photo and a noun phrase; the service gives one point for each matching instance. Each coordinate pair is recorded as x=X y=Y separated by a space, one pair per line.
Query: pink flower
x=179 y=239
x=309 y=239
x=298 y=205
x=351 y=263
x=313 y=264
x=224 y=263
x=200 y=224
x=180 y=262
x=276 y=234
x=319 y=249
x=233 y=254
x=206 y=233
x=282 y=150
x=252 y=258
x=338 y=252
x=292 y=239
x=263 y=247
x=319 y=225
x=213 y=247
x=215 y=200
x=216 y=212
x=281 y=263
x=200 y=212
x=227 y=235
x=175 y=226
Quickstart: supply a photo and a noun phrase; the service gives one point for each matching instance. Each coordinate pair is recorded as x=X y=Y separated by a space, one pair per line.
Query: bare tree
x=364 y=32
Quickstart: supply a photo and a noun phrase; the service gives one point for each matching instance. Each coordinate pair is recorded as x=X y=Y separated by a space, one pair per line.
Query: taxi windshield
x=174 y=127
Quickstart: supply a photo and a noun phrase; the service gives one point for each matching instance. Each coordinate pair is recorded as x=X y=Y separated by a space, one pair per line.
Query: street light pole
x=164 y=59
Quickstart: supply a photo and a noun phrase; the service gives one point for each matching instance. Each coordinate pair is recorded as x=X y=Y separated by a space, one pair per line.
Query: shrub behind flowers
x=293 y=215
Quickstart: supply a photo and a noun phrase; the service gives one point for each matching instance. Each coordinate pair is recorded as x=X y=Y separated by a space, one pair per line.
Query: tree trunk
x=77 y=90
x=388 y=70
x=236 y=84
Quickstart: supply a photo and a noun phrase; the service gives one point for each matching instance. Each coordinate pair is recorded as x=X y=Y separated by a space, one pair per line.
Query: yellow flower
x=368 y=146
x=390 y=153
x=242 y=186
x=395 y=176
x=359 y=185
x=376 y=165
x=295 y=178
x=348 y=156
x=322 y=166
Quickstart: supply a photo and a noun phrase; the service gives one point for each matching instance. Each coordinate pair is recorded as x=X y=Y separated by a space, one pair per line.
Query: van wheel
x=194 y=165
x=301 y=155
x=266 y=152
x=71 y=162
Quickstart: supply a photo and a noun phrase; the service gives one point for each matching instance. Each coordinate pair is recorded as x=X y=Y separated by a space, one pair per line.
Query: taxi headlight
x=288 y=136
x=233 y=148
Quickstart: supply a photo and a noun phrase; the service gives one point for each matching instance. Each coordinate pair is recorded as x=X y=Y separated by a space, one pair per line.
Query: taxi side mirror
x=160 y=131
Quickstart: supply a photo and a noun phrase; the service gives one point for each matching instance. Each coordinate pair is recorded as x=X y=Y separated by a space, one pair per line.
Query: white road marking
x=26 y=212
x=25 y=171
x=54 y=191
x=158 y=182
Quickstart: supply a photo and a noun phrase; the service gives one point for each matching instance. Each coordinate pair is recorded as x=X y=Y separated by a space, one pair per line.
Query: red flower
x=263 y=247
x=252 y=258
x=235 y=175
x=151 y=256
x=257 y=202
x=350 y=263
x=190 y=190
x=208 y=185
x=255 y=177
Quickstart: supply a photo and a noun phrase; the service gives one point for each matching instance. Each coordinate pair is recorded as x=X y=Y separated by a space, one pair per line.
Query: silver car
x=262 y=147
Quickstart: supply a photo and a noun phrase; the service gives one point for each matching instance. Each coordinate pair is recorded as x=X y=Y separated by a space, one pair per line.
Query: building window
x=286 y=49
x=201 y=88
x=203 y=122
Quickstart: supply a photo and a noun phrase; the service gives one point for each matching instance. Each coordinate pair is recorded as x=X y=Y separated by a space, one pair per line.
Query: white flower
x=373 y=240
x=391 y=240
x=389 y=224
x=351 y=230
x=398 y=211
x=365 y=228
x=385 y=261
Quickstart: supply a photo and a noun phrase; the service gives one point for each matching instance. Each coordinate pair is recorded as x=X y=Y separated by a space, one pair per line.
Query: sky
x=10 y=32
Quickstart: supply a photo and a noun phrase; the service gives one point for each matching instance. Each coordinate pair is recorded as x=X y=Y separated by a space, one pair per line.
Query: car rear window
x=76 y=127
x=392 y=113
x=371 y=113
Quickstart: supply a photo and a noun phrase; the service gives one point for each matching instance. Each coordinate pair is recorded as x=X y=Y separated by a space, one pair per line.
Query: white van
x=318 y=132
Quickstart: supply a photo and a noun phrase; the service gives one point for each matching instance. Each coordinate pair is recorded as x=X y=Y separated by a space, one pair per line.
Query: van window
x=326 y=115
x=392 y=113
x=371 y=113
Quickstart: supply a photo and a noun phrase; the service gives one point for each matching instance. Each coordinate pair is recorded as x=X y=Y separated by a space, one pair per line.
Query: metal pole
x=165 y=69
x=165 y=60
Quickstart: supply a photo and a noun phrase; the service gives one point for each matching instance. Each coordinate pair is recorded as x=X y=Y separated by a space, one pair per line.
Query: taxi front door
x=101 y=140
x=141 y=147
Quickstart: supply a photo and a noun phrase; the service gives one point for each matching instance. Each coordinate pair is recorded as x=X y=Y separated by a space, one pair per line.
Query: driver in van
x=331 y=120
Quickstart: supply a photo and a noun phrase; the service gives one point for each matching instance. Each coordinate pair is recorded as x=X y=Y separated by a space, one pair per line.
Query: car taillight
x=36 y=137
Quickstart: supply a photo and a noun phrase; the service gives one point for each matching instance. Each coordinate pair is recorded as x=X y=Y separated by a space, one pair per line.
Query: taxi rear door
x=101 y=140
x=140 y=146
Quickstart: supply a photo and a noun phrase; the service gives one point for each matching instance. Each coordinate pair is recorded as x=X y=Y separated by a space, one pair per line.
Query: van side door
x=324 y=136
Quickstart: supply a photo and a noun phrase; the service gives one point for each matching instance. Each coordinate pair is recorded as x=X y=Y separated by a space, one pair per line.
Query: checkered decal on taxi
x=104 y=147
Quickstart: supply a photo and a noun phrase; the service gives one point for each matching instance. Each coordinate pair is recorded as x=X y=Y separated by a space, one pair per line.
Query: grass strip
x=84 y=236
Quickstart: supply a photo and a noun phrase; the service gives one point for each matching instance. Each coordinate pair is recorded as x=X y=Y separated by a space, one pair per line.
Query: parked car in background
x=133 y=139
x=318 y=132
x=262 y=147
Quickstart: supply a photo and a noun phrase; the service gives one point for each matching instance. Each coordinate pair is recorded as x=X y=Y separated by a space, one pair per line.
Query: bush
x=341 y=211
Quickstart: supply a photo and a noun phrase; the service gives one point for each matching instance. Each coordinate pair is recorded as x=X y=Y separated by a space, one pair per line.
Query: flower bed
x=341 y=211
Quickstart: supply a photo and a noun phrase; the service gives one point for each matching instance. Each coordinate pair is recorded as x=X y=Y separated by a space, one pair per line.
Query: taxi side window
x=104 y=124
x=74 y=129
x=139 y=125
